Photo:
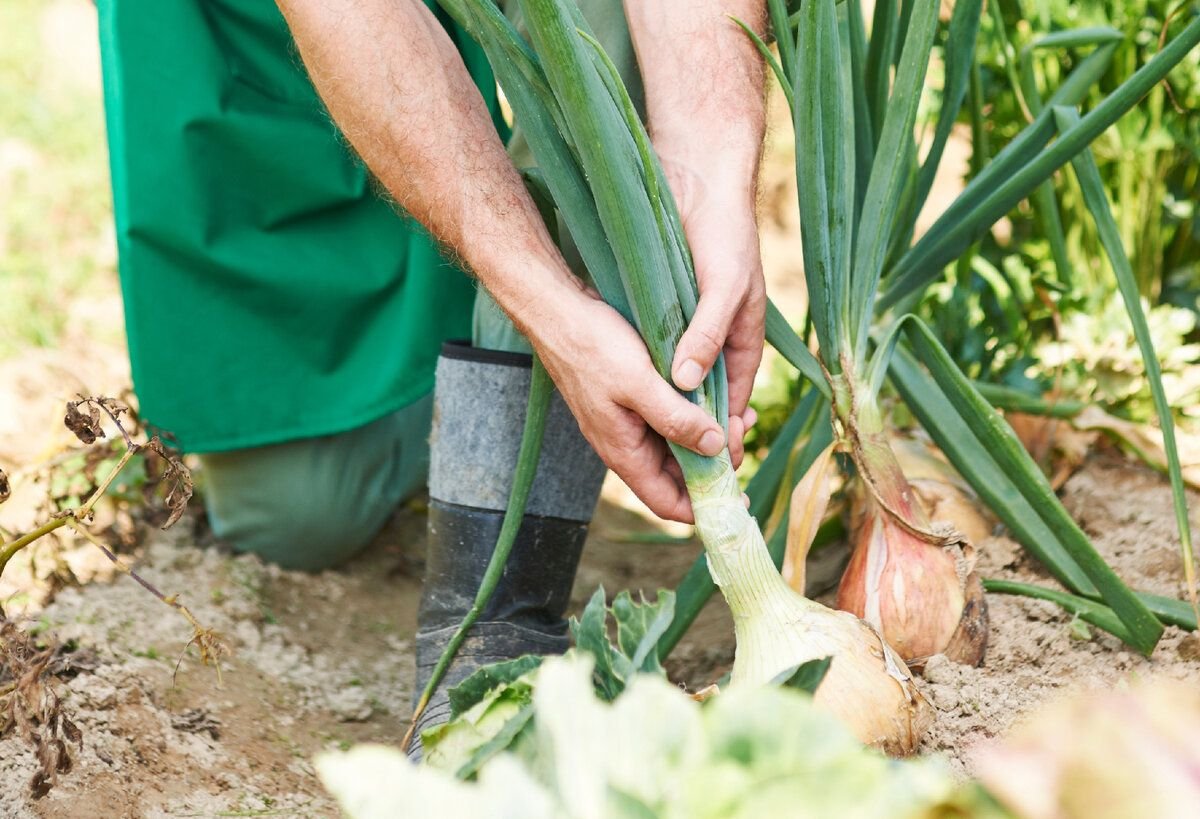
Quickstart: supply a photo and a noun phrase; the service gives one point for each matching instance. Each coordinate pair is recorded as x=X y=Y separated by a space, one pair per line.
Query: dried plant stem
x=85 y=512
x=207 y=640
x=72 y=516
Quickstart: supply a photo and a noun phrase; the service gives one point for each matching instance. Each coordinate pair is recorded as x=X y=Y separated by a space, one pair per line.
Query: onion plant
x=861 y=185
x=601 y=170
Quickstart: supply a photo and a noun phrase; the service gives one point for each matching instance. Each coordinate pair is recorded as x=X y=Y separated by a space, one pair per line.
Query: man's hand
x=731 y=314
x=705 y=106
x=624 y=408
x=394 y=83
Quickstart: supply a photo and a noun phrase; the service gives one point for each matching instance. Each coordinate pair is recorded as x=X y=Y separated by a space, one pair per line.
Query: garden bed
x=325 y=661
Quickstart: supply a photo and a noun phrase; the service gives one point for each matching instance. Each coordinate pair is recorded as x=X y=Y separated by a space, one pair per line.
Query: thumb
x=703 y=340
x=675 y=418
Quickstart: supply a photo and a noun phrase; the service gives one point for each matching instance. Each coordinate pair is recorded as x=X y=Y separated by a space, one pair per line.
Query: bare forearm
x=396 y=86
x=703 y=78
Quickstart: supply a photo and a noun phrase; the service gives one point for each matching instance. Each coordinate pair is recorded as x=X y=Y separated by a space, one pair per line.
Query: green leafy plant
x=1147 y=161
x=1095 y=358
x=491 y=710
x=1042 y=272
x=861 y=184
x=654 y=751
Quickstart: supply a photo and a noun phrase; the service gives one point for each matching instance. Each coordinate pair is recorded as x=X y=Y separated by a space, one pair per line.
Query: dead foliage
x=168 y=471
x=197 y=721
x=30 y=707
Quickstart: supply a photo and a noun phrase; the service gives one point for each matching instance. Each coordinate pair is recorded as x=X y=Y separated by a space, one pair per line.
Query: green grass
x=55 y=210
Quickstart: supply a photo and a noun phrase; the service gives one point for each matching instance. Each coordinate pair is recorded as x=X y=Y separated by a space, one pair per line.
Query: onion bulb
x=867 y=686
x=915 y=584
x=941 y=491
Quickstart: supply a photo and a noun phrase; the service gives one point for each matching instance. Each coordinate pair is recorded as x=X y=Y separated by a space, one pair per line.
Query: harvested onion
x=868 y=686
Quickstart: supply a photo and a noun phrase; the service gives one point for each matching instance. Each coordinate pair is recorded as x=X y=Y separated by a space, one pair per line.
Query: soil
x=318 y=661
x=323 y=661
x=1035 y=650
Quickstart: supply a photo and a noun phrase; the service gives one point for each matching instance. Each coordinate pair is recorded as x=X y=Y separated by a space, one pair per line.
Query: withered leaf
x=176 y=477
x=63 y=757
x=71 y=732
x=197 y=721
x=83 y=420
x=39 y=786
x=33 y=709
x=67 y=663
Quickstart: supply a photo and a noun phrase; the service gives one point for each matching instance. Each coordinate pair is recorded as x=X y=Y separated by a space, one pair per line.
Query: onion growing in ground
x=940 y=490
x=601 y=171
x=912 y=579
x=867 y=686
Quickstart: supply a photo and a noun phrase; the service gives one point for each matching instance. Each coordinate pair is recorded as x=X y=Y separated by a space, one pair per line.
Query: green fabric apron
x=270 y=294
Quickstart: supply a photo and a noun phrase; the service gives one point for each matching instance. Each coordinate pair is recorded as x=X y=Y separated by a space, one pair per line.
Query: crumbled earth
x=317 y=662
x=322 y=661
x=1037 y=652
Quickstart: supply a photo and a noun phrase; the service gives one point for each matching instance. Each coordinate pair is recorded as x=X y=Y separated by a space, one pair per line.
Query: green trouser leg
x=314 y=503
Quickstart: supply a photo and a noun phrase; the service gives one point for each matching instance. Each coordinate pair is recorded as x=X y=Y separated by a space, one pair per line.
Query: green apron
x=270 y=294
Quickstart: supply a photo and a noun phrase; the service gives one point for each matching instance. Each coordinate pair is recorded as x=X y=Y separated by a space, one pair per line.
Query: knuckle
x=674 y=424
x=707 y=339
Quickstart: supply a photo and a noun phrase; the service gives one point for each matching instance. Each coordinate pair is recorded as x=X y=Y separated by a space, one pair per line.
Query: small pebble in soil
x=1189 y=647
x=945 y=697
x=940 y=669
x=94 y=691
x=351 y=704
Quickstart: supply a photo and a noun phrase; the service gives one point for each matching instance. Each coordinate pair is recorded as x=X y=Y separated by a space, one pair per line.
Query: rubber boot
x=479 y=412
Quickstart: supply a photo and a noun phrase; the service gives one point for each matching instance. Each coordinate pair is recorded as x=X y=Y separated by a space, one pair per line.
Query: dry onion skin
x=914 y=581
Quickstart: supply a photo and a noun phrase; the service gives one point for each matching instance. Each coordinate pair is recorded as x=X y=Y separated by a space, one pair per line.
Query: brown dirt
x=1034 y=654
x=321 y=661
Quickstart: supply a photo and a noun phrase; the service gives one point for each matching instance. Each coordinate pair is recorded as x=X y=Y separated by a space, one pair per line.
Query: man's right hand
x=625 y=409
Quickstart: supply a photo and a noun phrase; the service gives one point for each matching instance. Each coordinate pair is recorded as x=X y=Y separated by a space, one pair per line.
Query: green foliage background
x=1010 y=314
x=55 y=207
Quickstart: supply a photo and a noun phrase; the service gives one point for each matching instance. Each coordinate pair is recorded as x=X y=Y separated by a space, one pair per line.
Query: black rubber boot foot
x=479 y=409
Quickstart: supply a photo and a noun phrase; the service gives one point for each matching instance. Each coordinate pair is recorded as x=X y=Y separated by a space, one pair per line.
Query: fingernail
x=711 y=442
x=746 y=500
x=750 y=418
x=689 y=375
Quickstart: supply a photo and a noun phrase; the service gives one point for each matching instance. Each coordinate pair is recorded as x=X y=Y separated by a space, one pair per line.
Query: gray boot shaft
x=479 y=412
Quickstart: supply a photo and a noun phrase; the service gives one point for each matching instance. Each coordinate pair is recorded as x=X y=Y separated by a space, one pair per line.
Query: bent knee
x=308 y=536
x=293 y=522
